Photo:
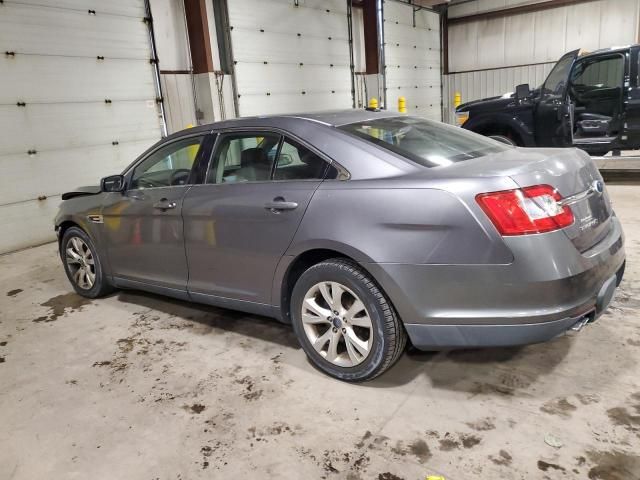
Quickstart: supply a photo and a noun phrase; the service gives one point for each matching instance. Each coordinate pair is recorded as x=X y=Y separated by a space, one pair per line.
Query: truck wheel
x=344 y=322
x=503 y=139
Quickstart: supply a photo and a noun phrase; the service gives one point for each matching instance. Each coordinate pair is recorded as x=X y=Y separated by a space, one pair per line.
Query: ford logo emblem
x=597 y=186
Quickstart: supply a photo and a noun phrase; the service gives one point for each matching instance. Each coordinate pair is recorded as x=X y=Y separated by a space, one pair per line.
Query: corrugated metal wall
x=491 y=57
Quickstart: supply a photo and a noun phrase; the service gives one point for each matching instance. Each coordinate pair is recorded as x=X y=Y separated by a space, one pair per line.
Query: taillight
x=526 y=210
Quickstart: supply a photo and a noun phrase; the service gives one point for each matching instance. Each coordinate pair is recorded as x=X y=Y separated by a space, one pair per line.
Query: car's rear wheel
x=82 y=264
x=344 y=322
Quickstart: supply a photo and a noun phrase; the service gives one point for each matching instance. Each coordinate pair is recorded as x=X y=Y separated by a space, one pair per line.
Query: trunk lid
x=568 y=170
x=574 y=175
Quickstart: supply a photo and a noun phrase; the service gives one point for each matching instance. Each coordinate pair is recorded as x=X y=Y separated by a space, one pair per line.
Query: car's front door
x=143 y=227
x=239 y=223
x=553 y=112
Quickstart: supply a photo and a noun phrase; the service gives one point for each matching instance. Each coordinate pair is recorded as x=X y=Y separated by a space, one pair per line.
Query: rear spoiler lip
x=81 y=191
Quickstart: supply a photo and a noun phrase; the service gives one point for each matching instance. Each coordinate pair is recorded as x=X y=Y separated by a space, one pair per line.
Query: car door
x=553 y=112
x=239 y=223
x=143 y=227
x=596 y=91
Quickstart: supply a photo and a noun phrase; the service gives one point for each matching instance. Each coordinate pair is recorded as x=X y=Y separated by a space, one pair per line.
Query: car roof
x=620 y=48
x=331 y=118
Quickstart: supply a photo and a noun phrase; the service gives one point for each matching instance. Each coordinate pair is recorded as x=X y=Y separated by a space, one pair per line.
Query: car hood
x=82 y=191
x=490 y=103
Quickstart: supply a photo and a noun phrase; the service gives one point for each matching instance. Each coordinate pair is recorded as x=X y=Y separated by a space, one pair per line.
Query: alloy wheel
x=337 y=324
x=80 y=262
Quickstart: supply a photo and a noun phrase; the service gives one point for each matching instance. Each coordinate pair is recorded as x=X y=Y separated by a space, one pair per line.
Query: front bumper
x=531 y=300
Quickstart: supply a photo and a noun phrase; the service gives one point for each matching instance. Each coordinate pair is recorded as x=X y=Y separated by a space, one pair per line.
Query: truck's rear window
x=431 y=144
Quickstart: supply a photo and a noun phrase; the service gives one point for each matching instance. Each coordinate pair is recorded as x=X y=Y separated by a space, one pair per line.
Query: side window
x=297 y=162
x=606 y=73
x=245 y=157
x=168 y=166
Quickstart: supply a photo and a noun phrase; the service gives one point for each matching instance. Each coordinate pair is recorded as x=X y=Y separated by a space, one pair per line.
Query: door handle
x=164 y=205
x=279 y=204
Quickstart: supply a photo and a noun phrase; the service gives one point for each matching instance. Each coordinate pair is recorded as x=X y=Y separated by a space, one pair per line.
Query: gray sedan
x=360 y=228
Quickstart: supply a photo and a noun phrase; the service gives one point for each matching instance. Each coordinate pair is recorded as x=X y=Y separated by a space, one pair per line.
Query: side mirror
x=523 y=91
x=112 y=183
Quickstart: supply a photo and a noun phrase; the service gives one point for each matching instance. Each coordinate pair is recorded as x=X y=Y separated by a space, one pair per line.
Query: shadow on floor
x=496 y=371
x=209 y=317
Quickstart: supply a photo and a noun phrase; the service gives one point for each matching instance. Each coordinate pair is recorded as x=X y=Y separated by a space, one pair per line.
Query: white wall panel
x=56 y=31
x=412 y=59
x=288 y=58
x=177 y=90
x=39 y=79
x=113 y=7
x=538 y=37
x=583 y=27
x=59 y=126
x=294 y=102
x=27 y=224
x=550 y=39
x=465 y=8
x=65 y=169
x=169 y=28
x=617 y=21
x=77 y=136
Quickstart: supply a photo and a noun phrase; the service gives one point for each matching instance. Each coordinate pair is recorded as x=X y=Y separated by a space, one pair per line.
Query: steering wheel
x=173 y=180
x=143 y=182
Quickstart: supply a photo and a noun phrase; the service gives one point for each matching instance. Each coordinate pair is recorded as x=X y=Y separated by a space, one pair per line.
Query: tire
x=77 y=251
x=598 y=153
x=350 y=361
x=503 y=139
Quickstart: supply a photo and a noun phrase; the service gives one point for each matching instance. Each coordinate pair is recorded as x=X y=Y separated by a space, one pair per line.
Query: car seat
x=254 y=165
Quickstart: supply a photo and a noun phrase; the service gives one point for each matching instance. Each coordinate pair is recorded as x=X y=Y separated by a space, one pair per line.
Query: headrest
x=253 y=157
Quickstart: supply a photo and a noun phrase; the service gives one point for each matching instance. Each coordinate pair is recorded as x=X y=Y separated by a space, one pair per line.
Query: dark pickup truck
x=589 y=100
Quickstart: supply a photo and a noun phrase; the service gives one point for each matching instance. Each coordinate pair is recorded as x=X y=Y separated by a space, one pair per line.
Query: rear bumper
x=532 y=300
x=439 y=337
x=466 y=336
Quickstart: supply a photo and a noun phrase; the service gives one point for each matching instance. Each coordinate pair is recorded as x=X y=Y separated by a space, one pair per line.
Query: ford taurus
x=362 y=229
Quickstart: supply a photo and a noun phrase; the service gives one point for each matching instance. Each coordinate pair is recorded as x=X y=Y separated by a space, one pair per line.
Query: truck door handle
x=164 y=205
x=279 y=204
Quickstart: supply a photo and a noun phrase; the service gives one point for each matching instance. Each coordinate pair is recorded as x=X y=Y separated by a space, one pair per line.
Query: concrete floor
x=140 y=387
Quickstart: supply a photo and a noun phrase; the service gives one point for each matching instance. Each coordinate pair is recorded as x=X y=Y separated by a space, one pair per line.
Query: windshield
x=429 y=143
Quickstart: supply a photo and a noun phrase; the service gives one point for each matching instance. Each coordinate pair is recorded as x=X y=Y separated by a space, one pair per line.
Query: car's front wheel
x=344 y=322
x=82 y=264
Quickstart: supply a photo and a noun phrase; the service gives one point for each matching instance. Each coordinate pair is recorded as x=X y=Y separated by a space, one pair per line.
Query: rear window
x=431 y=144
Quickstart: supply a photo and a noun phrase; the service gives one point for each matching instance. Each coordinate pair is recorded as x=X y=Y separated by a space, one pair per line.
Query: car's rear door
x=143 y=228
x=239 y=223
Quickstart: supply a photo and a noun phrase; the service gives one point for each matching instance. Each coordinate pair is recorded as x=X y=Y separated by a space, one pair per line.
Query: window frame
x=222 y=133
x=249 y=132
x=128 y=173
x=597 y=59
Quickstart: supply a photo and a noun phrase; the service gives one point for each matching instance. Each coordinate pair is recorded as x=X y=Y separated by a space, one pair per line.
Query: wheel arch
x=69 y=221
x=65 y=225
x=506 y=125
x=289 y=272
